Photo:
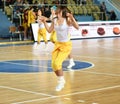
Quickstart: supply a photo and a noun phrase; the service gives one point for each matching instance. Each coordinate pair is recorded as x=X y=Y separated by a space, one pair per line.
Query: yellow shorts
x=60 y=53
x=42 y=34
x=53 y=37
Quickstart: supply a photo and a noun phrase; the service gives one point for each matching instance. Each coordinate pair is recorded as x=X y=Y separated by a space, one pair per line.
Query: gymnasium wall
x=96 y=29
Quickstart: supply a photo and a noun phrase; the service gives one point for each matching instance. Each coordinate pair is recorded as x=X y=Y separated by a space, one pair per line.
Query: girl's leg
x=57 y=60
x=39 y=37
x=71 y=61
x=61 y=80
x=44 y=34
x=60 y=53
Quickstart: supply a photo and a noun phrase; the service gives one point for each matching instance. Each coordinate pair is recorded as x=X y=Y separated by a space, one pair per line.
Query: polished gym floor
x=26 y=76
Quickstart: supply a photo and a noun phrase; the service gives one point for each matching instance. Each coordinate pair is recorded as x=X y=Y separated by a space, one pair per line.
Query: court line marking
x=34 y=100
x=27 y=91
x=82 y=70
x=101 y=58
x=82 y=92
x=108 y=74
x=15 y=63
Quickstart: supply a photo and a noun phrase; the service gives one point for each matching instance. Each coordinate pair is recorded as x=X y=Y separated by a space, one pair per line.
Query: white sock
x=61 y=79
x=61 y=83
x=71 y=60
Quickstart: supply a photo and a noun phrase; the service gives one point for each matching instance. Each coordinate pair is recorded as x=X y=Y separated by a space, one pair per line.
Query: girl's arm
x=72 y=21
x=48 y=28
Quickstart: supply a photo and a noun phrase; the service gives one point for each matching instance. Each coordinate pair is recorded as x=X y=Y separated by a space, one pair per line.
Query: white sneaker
x=60 y=85
x=36 y=46
x=71 y=64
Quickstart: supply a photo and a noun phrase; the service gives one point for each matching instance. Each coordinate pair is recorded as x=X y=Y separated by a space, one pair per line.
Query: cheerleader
x=53 y=37
x=25 y=23
x=31 y=19
x=63 y=45
x=42 y=33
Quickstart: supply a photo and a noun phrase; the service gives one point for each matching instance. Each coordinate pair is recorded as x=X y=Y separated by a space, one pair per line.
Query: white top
x=62 y=31
x=41 y=24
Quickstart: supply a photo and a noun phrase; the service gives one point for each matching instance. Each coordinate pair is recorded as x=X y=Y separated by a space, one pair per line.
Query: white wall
x=91 y=27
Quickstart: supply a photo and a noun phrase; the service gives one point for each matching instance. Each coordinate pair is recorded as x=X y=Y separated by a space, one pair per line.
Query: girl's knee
x=56 y=65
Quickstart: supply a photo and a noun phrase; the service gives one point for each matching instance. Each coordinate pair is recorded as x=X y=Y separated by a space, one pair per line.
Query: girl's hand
x=72 y=20
x=70 y=15
x=43 y=19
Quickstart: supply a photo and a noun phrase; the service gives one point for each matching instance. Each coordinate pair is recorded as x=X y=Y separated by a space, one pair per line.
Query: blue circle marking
x=28 y=66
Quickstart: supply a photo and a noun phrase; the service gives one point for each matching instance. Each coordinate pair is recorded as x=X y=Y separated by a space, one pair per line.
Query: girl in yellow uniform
x=63 y=45
x=53 y=37
x=31 y=16
x=42 y=33
x=25 y=22
x=31 y=19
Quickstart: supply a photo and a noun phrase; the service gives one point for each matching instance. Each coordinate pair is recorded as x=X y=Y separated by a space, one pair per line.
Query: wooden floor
x=99 y=84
